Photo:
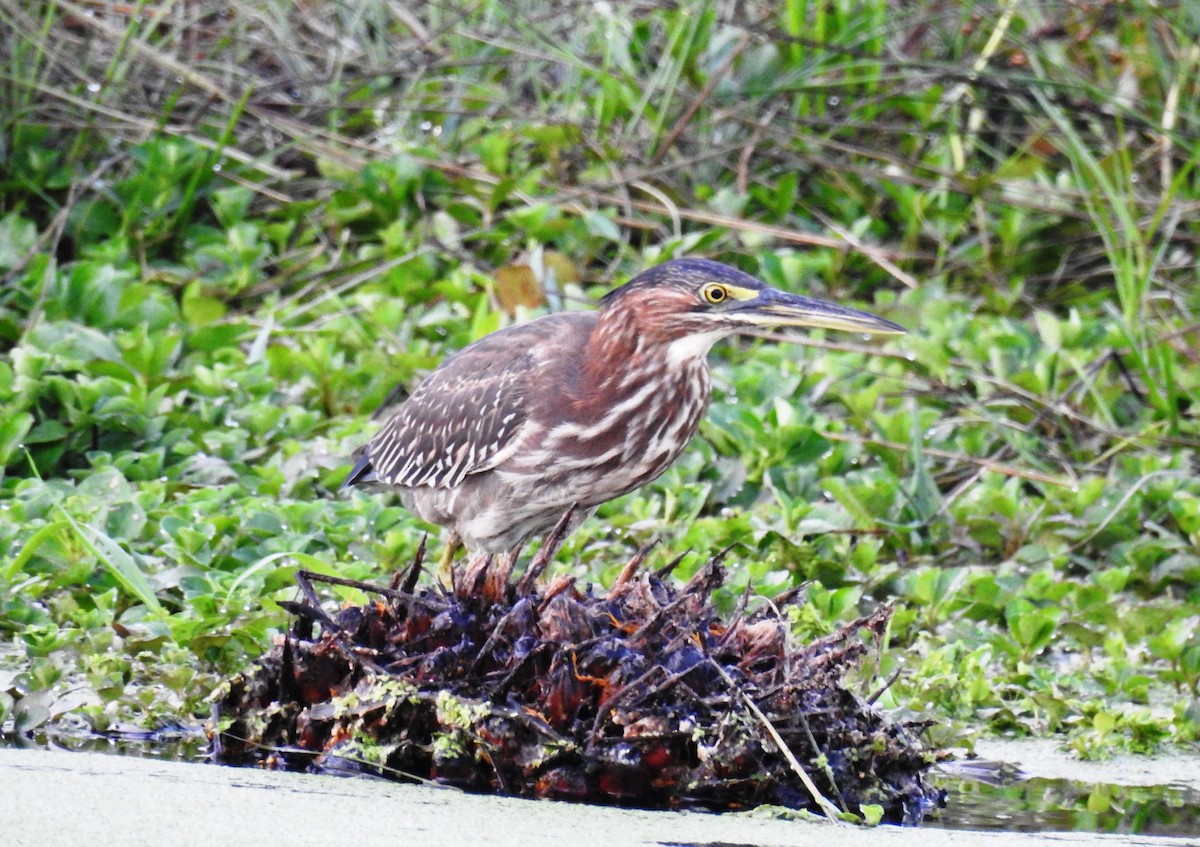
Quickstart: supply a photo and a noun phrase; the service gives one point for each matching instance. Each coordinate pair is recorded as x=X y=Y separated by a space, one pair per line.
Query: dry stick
x=296 y=129
x=306 y=615
x=418 y=565
x=824 y=759
x=256 y=187
x=887 y=683
x=1056 y=404
x=1005 y=450
x=853 y=241
x=415 y=26
x=877 y=255
x=896 y=171
x=1130 y=381
x=369 y=587
x=1182 y=331
x=1191 y=58
x=826 y=806
x=341 y=639
x=1123 y=502
x=646 y=692
x=796 y=595
x=986 y=464
x=286 y=679
x=304 y=582
x=631 y=567
x=699 y=100
x=706 y=580
x=636 y=684
x=671 y=208
x=666 y=570
x=561 y=583
x=703 y=580
x=549 y=547
x=743 y=167
x=620 y=180
x=149 y=126
x=53 y=232
x=739 y=614
x=406 y=580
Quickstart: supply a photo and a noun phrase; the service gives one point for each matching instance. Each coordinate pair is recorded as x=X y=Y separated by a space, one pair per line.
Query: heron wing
x=459 y=420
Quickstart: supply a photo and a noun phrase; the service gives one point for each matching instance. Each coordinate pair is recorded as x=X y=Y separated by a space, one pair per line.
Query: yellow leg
x=444 y=573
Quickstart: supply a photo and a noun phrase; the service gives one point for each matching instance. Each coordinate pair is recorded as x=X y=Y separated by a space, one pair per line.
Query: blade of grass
x=120 y=565
x=31 y=546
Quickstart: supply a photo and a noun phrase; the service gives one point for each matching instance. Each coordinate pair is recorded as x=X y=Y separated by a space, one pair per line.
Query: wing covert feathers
x=456 y=423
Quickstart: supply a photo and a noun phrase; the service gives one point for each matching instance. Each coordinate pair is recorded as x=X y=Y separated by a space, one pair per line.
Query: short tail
x=362 y=472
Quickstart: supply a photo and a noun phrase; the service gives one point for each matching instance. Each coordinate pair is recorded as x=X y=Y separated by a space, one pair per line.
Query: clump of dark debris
x=641 y=696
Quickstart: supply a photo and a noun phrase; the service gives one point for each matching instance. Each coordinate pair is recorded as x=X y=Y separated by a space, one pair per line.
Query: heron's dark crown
x=684 y=275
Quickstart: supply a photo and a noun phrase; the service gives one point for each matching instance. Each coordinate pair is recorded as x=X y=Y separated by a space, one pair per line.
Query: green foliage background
x=227 y=232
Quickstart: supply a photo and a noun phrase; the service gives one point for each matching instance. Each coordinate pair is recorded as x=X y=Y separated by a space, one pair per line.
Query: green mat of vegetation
x=228 y=231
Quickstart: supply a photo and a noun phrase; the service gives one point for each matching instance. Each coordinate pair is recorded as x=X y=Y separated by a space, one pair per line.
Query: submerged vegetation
x=228 y=232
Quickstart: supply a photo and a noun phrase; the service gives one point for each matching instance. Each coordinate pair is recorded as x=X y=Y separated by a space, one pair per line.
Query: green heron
x=572 y=409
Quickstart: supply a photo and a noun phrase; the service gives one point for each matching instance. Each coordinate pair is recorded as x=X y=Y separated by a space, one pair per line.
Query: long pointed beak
x=773 y=307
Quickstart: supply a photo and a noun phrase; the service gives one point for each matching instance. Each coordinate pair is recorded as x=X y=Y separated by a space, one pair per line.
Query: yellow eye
x=715 y=293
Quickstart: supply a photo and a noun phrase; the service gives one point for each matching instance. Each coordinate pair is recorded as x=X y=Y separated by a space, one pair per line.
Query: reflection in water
x=178 y=744
x=1039 y=805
